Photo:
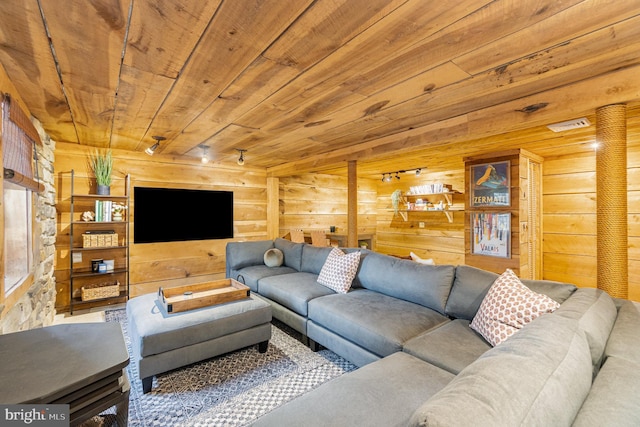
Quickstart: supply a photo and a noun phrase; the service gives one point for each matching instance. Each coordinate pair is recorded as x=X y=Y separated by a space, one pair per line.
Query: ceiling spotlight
x=154 y=147
x=388 y=178
x=205 y=154
x=241 y=158
x=418 y=172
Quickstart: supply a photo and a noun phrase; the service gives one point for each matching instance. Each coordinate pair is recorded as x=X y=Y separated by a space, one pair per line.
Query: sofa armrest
x=244 y=254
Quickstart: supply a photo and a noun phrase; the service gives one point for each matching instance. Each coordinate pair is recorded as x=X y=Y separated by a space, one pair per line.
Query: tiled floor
x=85 y=316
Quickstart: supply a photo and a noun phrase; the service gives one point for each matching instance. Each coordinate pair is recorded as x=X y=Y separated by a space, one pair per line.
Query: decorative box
x=190 y=297
x=97 y=240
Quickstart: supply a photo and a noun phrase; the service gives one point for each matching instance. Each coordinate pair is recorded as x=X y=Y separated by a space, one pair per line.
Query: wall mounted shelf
x=445 y=198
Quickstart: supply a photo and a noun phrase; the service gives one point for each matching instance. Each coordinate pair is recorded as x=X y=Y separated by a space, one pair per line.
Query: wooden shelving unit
x=80 y=256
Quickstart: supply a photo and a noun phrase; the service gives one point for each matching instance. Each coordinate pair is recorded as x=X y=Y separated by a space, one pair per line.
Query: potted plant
x=102 y=165
x=118 y=211
x=396 y=198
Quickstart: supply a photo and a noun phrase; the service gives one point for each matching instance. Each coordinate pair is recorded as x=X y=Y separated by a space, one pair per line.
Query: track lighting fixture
x=388 y=176
x=154 y=147
x=241 y=158
x=205 y=154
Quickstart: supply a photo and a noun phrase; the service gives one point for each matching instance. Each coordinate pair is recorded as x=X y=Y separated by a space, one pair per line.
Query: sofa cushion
x=451 y=346
x=292 y=252
x=427 y=285
x=338 y=270
x=273 y=257
x=507 y=307
x=243 y=254
x=383 y=393
x=539 y=377
x=624 y=340
x=557 y=291
x=252 y=274
x=471 y=285
x=313 y=258
x=613 y=399
x=293 y=291
x=596 y=313
x=377 y=322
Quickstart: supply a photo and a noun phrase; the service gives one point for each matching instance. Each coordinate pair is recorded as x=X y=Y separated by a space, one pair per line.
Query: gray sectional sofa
x=407 y=326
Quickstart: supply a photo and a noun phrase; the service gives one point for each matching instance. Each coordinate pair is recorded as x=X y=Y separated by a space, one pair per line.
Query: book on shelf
x=103 y=210
x=106 y=210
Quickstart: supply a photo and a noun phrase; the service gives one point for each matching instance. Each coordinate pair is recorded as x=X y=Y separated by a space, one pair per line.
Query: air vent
x=571 y=124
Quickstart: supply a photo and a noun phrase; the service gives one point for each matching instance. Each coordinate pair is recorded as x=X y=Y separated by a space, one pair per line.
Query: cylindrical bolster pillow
x=273 y=258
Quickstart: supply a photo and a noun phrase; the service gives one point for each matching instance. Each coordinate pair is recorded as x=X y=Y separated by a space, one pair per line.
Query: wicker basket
x=100 y=290
x=91 y=240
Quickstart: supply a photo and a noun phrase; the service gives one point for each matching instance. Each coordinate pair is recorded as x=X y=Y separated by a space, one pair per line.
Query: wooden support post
x=273 y=207
x=611 y=176
x=352 y=204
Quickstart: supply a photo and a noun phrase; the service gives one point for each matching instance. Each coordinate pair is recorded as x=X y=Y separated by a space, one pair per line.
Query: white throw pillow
x=273 y=257
x=417 y=259
x=507 y=307
x=339 y=270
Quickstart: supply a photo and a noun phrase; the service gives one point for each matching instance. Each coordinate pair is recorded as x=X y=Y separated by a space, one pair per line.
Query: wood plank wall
x=165 y=264
x=440 y=240
x=568 y=223
x=569 y=220
x=316 y=202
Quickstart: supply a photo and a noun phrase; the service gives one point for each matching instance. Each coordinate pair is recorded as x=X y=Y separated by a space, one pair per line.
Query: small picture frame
x=490 y=184
x=491 y=234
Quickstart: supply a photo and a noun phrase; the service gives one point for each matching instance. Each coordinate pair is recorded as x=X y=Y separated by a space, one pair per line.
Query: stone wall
x=36 y=308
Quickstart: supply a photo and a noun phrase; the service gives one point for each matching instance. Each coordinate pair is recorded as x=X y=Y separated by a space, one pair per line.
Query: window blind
x=19 y=139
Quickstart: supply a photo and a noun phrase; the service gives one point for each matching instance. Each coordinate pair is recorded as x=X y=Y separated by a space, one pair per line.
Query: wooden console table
x=81 y=365
x=362 y=237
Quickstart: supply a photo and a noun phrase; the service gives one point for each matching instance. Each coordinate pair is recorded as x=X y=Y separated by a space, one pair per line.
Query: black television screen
x=175 y=214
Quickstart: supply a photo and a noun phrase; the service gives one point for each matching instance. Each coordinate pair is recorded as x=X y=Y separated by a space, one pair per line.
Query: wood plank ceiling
x=306 y=85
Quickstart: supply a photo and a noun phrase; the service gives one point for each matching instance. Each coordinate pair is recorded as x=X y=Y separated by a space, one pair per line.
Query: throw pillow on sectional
x=426 y=261
x=339 y=270
x=273 y=257
x=507 y=307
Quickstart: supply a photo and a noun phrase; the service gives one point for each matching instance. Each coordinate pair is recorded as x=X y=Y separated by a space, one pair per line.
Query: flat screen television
x=175 y=214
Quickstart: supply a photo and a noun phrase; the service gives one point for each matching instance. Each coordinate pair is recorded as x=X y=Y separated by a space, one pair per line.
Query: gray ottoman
x=162 y=342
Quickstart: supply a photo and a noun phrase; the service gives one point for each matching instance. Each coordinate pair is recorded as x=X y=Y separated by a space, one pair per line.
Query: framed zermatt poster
x=490 y=184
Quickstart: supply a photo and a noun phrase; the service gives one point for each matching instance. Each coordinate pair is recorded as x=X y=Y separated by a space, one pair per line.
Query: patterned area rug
x=232 y=389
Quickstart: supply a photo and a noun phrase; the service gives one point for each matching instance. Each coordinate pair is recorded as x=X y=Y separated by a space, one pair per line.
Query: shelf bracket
x=449 y=215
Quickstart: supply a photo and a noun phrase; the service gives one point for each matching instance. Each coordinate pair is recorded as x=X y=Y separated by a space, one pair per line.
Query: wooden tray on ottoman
x=197 y=295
